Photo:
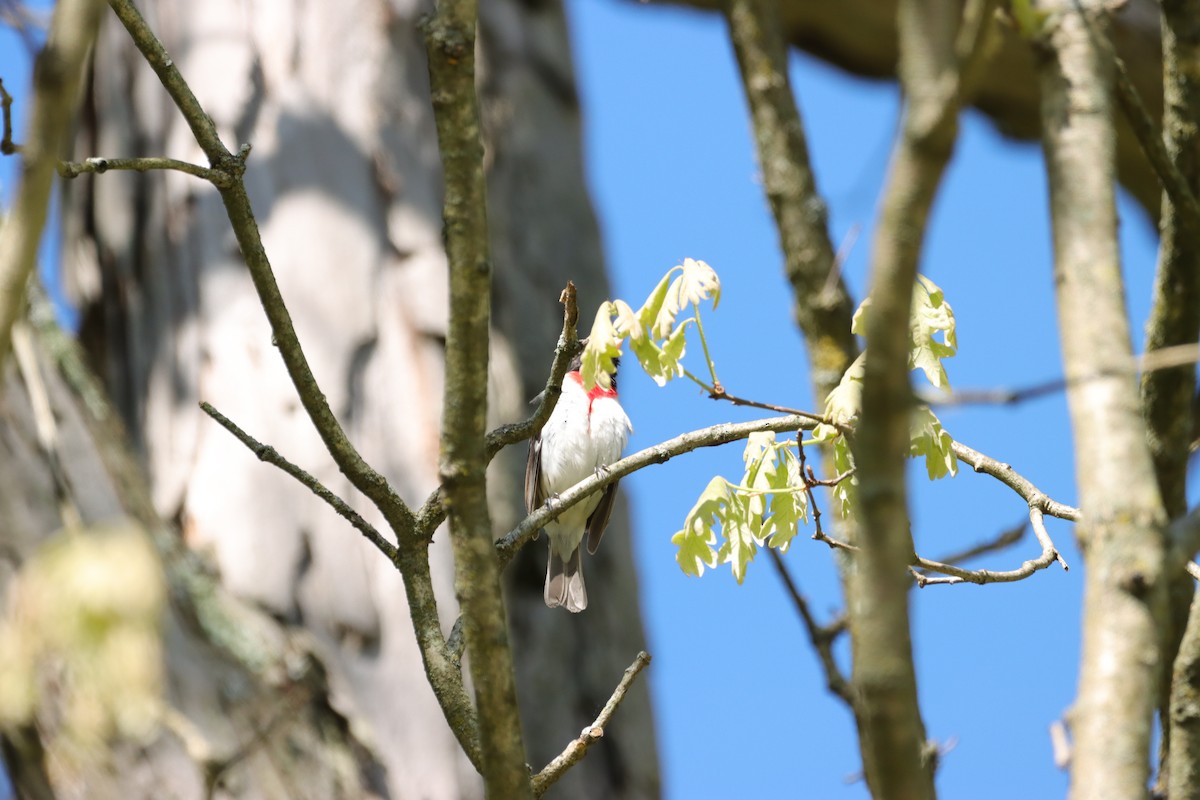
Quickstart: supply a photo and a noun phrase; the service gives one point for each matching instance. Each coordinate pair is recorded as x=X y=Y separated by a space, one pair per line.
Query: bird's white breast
x=581 y=436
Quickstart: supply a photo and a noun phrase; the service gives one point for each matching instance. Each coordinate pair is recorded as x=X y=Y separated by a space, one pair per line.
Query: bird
x=586 y=432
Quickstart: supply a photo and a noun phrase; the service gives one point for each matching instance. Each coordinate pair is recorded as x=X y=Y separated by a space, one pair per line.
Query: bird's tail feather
x=564 y=582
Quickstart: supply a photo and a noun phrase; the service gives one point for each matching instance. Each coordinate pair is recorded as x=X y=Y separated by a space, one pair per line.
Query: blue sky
x=741 y=708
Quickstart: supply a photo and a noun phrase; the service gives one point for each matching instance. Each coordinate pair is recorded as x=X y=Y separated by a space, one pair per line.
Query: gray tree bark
x=345 y=180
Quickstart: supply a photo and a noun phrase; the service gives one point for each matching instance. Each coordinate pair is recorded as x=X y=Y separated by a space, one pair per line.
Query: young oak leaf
x=929 y=439
x=931 y=315
x=603 y=348
x=743 y=534
x=696 y=540
x=697 y=281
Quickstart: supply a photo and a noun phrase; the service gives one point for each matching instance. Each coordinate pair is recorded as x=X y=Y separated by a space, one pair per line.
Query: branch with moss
x=57 y=76
x=450 y=46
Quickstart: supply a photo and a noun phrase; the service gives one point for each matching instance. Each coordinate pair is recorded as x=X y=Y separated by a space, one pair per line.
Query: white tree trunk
x=346 y=186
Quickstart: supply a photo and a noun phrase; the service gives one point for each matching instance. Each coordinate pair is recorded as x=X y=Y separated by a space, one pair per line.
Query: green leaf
x=696 y=540
x=742 y=529
x=627 y=322
x=672 y=350
x=931 y=315
x=649 y=312
x=602 y=350
x=788 y=509
x=844 y=493
x=697 y=281
x=844 y=403
x=929 y=439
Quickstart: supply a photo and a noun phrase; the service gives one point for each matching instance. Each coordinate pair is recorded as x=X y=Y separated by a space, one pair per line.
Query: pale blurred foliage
x=81 y=651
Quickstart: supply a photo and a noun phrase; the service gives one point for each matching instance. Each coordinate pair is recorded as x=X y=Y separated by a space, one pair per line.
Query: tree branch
x=957 y=574
x=433 y=511
x=822 y=306
x=1121 y=531
x=98 y=166
x=821 y=637
x=450 y=46
x=245 y=228
x=57 y=75
x=933 y=66
x=578 y=748
x=271 y=456
x=1004 y=473
x=713 y=436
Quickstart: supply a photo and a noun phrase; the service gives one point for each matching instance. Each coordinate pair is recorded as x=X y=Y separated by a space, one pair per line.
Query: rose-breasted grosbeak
x=586 y=433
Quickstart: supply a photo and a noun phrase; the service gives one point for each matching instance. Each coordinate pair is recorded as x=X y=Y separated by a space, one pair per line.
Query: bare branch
x=936 y=56
x=98 y=166
x=433 y=512
x=241 y=217
x=578 y=748
x=1001 y=541
x=957 y=574
x=271 y=456
x=1015 y=481
x=820 y=636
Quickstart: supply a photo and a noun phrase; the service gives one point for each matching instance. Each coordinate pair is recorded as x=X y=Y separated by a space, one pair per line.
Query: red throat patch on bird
x=594 y=393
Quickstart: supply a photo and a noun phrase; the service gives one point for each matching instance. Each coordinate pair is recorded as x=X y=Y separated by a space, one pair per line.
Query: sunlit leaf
x=696 y=540
x=930 y=440
x=602 y=350
x=931 y=316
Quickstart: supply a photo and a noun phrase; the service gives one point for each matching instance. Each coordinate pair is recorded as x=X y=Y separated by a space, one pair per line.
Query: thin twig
x=433 y=512
x=956 y=574
x=1154 y=361
x=718 y=392
x=271 y=456
x=820 y=636
x=1004 y=473
x=810 y=481
x=98 y=166
x=576 y=750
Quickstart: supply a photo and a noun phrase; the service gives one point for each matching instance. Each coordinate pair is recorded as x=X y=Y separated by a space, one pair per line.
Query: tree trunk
x=345 y=181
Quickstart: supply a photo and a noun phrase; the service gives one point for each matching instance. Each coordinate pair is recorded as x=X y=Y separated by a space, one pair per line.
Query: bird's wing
x=598 y=521
x=533 y=476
